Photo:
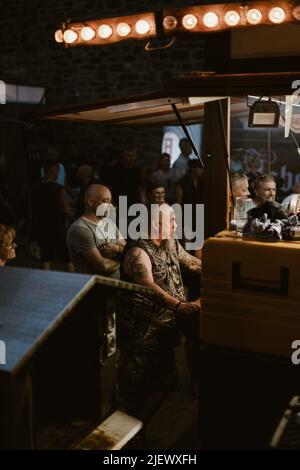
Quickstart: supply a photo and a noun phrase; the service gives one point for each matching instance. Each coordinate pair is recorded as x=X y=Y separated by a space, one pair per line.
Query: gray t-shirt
x=84 y=235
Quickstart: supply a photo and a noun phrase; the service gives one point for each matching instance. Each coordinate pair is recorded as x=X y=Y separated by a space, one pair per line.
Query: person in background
x=95 y=243
x=238 y=161
x=264 y=188
x=265 y=199
x=239 y=208
x=240 y=185
x=53 y=156
x=156 y=194
x=181 y=163
x=264 y=219
x=125 y=179
x=190 y=190
x=287 y=201
x=50 y=212
x=7 y=244
x=166 y=177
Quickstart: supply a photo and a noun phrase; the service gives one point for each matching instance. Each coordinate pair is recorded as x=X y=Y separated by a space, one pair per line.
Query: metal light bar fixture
x=264 y=114
x=107 y=31
x=217 y=17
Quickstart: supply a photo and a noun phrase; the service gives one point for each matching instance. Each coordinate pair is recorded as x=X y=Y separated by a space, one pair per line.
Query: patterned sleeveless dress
x=140 y=318
x=147 y=333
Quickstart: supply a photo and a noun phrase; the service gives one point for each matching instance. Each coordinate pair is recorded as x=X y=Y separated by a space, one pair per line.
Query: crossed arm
x=113 y=250
x=99 y=263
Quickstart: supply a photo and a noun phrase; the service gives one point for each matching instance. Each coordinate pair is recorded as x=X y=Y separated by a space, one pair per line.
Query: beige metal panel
x=259 y=311
x=278 y=41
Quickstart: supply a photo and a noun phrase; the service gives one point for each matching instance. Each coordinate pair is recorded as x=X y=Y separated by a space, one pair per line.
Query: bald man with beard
x=147 y=325
x=94 y=241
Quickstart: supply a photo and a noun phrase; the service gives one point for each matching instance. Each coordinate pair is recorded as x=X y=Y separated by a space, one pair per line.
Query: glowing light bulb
x=70 y=36
x=276 y=15
x=189 y=21
x=232 y=18
x=105 y=31
x=59 y=36
x=123 y=29
x=254 y=16
x=87 y=33
x=210 y=19
x=142 y=27
x=170 y=22
x=296 y=12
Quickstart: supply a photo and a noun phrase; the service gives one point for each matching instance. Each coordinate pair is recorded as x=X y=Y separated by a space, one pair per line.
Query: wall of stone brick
x=30 y=56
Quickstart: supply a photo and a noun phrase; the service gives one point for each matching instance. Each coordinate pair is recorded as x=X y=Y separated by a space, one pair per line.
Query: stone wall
x=30 y=56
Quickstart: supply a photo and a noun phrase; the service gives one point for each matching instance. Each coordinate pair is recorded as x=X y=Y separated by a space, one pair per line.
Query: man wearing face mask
x=94 y=241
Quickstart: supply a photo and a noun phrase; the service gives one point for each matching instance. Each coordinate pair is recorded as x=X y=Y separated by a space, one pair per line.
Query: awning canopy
x=189 y=94
x=139 y=110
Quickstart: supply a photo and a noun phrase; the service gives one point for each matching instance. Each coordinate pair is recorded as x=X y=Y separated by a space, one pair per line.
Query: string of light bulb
x=194 y=19
x=105 y=31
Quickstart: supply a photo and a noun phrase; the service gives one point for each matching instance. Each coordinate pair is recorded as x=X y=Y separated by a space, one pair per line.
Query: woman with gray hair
x=7 y=244
x=240 y=185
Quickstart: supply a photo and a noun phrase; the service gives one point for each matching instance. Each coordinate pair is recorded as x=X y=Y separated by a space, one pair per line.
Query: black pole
x=184 y=128
x=221 y=117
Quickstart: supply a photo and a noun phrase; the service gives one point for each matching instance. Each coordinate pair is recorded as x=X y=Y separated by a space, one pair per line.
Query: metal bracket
x=221 y=119
x=150 y=48
x=187 y=134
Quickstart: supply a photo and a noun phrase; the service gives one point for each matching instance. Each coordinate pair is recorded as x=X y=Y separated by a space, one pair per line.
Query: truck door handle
x=280 y=287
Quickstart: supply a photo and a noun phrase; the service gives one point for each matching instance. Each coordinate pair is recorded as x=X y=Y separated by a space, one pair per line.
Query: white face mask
x=103 y=209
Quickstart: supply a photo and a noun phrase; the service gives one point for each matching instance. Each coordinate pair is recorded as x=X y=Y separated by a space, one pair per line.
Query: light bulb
x=296 y=12
x=170 y=22
x=189 y=21
x=232 y=18
x=142 y=27
x=59 y=36
x=254 y=16
x=70 y=36
x=276 y=15
x=105 y=31
x=87 y=33
x=210 y=19
x=123 y=29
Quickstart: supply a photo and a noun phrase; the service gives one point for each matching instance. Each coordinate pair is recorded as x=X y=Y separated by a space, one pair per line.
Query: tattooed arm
x=137 y=265
x=188 y=261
